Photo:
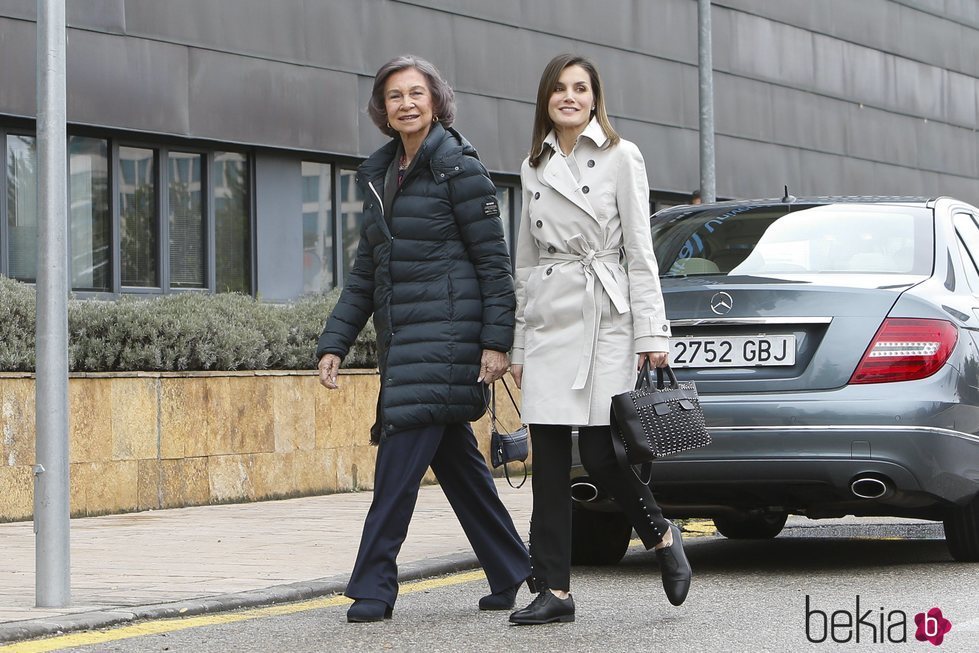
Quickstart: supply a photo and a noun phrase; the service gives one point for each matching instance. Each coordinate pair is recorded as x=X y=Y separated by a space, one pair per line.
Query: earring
x=435 y=118
x=389 y=126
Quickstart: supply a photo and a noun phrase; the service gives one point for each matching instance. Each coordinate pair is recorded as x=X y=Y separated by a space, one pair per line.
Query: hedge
x=181 y=332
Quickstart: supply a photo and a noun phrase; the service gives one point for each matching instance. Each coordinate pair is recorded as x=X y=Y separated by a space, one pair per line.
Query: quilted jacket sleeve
x=477 y=215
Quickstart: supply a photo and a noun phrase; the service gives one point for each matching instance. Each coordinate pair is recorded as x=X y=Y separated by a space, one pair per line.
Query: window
x=351 y=217
x=88 y=214
x=765 y=240
x=188 y=240
x=318 y=253
x=22 y=207
x=141 y=217
x=968 y=237
x=232 y=222
x=138 y=219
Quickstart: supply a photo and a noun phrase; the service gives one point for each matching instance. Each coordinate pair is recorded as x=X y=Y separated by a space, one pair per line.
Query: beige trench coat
x=587 y=283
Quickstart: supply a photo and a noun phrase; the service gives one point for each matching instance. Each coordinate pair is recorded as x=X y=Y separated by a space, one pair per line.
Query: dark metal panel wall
x=259 y=28
x=836 y=96
x=250 y=100
x=17 y=52
x=128 y=83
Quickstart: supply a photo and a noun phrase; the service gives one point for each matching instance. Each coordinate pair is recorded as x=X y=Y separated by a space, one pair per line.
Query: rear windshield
x=829 y=239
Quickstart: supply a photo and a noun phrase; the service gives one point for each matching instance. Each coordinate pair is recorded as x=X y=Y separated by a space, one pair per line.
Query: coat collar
x=442 y=148
x=556 y=174
x=593 y=132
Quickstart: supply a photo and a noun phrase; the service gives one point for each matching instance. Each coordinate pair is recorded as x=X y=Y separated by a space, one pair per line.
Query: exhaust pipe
x=871 y=487
x=584 y=492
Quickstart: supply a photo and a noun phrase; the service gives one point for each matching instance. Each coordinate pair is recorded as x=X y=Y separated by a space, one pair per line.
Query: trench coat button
x=584 y=189
x=456 y=168
x=551 y=249
x=549 y=270
x=666 y=328
x=591 y=163
x=539 y=224
x=536 y=196
x=441 y=174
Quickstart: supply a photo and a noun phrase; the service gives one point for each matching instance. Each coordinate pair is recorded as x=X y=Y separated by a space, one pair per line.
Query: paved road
x=748 y=596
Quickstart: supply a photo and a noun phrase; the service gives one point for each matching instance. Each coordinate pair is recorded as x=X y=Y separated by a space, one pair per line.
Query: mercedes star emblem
x=721 y=303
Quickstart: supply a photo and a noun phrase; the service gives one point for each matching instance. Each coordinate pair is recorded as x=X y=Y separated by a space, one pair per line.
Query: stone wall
x=141 y=441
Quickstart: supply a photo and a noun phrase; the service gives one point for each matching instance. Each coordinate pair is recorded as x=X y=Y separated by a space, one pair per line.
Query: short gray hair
x=443 y=97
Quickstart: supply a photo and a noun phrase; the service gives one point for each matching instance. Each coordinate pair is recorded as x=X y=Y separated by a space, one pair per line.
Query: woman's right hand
x=329 y=367
x=516 y=371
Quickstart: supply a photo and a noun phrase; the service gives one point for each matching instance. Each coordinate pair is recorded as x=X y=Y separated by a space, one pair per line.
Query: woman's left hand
x=656 y=359
x=493 y=366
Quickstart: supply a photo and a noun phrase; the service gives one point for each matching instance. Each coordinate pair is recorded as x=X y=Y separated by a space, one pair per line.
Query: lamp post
x=52 y=576
x=706 y=76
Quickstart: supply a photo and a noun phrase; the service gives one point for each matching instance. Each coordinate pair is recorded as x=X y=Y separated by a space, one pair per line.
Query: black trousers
x=550 y=524
x=452 y=453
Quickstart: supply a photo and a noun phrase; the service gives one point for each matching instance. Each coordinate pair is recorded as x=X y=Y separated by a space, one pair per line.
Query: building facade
x=213 y=143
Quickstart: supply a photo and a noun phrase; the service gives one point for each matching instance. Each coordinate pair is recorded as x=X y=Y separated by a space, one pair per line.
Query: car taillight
x=905 y=349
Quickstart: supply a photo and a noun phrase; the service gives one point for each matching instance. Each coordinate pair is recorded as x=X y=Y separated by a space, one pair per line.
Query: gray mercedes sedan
x=833 y=342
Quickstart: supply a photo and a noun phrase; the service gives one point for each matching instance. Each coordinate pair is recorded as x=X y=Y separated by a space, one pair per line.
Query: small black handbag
x=656 y=420
x=507 y=446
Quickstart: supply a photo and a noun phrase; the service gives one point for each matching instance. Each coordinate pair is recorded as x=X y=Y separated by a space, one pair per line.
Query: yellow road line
x=89 y=638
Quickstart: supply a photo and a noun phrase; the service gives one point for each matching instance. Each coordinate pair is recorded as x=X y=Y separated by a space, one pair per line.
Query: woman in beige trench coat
x=589 y=311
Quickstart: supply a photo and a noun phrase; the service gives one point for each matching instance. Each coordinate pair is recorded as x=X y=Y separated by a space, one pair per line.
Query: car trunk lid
x=766 y=334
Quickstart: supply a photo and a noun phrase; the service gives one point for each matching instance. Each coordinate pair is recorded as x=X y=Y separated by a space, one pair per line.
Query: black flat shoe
x=545 y=609
x=367 y=610
x=502 y=600
x=675 y=568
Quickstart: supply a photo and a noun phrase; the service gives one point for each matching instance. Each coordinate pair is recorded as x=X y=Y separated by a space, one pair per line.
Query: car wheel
x=962 y=532
x=762 y=526
x=598 y=538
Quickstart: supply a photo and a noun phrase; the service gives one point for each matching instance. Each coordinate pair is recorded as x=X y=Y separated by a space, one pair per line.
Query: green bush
x=186 y=331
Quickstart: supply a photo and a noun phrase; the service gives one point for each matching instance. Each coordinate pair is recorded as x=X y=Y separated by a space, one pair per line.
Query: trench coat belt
x=595 y=265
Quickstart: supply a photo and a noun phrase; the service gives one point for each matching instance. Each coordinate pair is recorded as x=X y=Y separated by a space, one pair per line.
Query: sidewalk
x=187 y=561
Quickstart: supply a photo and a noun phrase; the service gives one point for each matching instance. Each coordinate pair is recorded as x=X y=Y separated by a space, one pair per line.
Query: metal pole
x=706 y=68
x=52 y=579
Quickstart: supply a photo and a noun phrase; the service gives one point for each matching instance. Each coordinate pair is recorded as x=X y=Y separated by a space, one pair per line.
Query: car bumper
x=811 y=469
x=919 y=464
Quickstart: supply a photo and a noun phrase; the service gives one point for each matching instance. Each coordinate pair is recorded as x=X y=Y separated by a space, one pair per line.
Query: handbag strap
x=645 y=473
x=506 y=472
x=495 y=422
x=491 y=404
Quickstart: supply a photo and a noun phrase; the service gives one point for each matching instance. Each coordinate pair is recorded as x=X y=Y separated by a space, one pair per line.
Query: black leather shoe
x=675 y=568
x=545 y=609
x=366 y=610
x=502 y=600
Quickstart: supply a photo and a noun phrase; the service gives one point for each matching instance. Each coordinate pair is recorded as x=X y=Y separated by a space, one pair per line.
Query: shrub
x=186 y=331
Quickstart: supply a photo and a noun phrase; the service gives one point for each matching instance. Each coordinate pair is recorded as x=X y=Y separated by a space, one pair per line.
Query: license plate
x=733 y=351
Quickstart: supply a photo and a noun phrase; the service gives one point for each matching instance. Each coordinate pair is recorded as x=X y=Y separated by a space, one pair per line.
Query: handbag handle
x=491 y=404
x=644 y=379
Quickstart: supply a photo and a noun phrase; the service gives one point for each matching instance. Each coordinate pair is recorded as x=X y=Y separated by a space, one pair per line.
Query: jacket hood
x=443 y=148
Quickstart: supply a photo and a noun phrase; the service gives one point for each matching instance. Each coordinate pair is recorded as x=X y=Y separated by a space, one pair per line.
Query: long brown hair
x=548 y=82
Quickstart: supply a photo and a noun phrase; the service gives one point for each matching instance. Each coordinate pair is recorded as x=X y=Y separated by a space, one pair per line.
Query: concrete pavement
x=187 y=561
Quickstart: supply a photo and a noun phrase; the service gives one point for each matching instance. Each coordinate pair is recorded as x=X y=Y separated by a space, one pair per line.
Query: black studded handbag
x=656 y=419
x=507 y=446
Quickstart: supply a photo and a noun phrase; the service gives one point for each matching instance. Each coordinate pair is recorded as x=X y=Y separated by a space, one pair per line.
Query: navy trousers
x=402 y=460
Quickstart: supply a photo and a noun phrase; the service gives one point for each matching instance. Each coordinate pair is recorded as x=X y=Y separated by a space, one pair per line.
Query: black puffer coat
x=435 y=273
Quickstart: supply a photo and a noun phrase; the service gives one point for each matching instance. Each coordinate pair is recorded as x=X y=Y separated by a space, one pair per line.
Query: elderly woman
x=432 y=267
x=589 y=311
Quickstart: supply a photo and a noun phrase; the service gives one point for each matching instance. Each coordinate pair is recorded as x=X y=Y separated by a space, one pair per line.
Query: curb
x=288 y=593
